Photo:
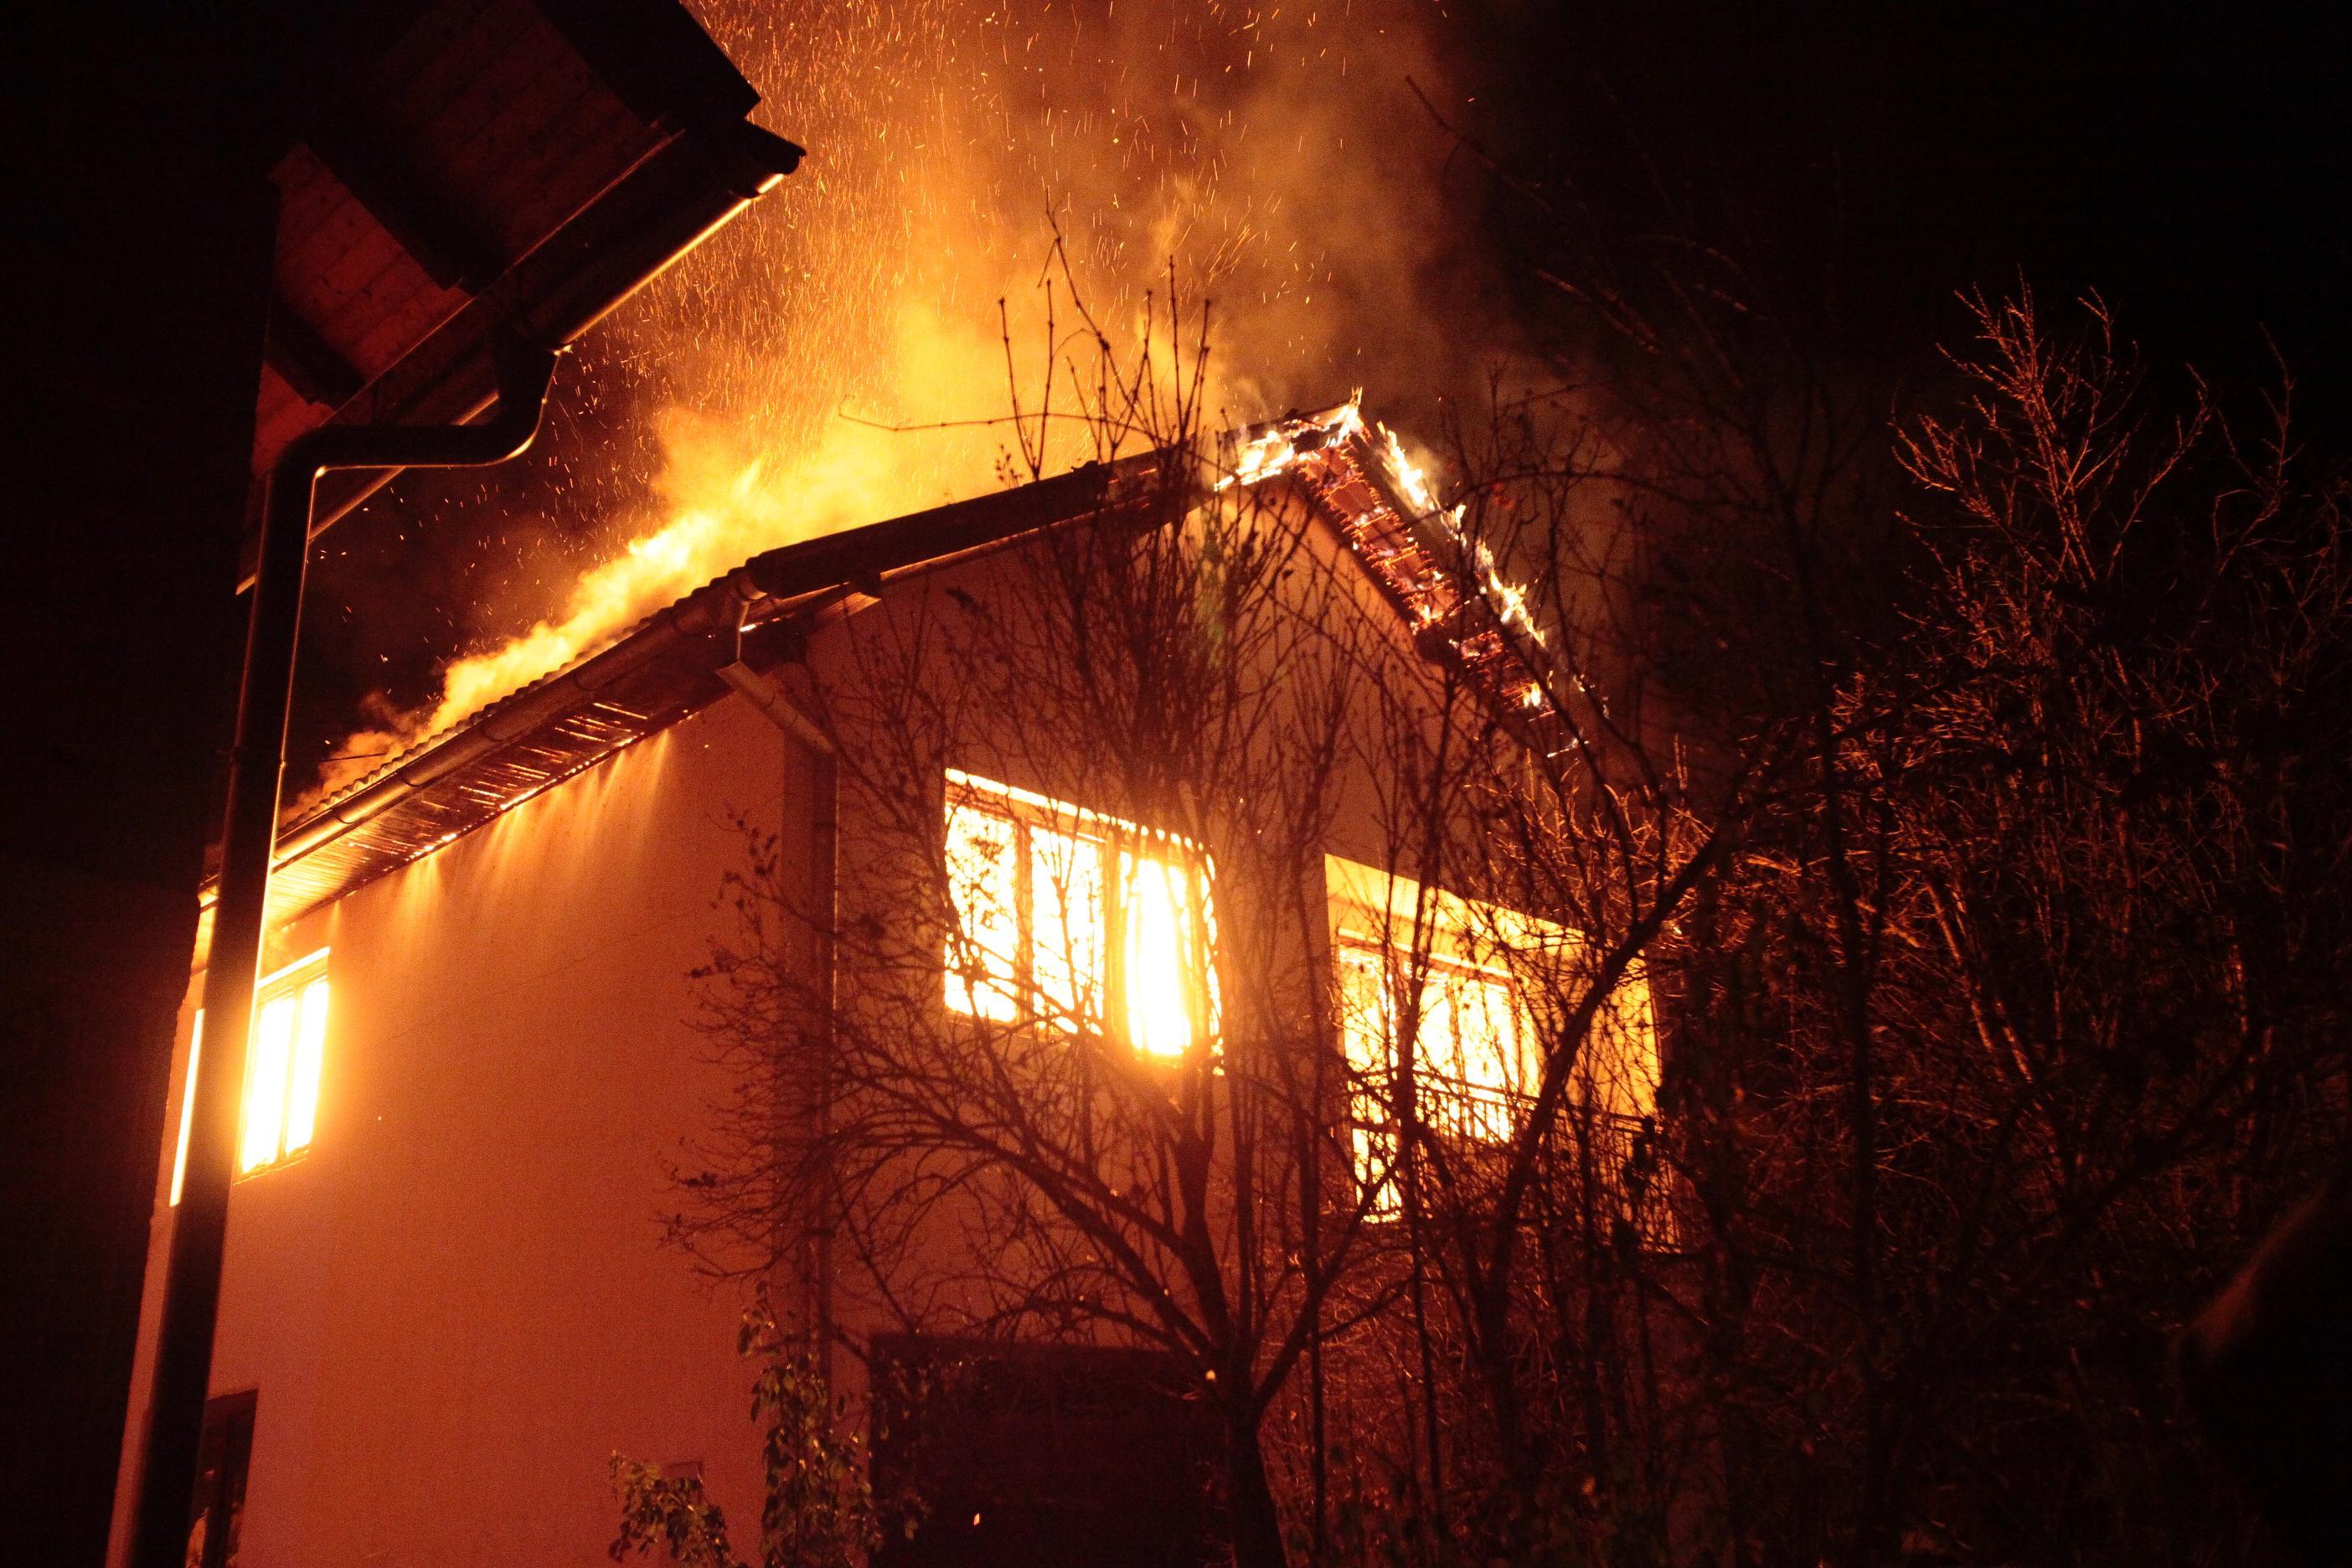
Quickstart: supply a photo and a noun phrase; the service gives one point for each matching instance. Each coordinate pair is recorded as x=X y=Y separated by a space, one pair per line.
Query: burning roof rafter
x=1442 y=578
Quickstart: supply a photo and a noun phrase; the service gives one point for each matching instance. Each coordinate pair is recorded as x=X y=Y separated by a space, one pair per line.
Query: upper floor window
x=1474 y=1056
x=1070 y=918
x=279 y=1108
x=1464 y=975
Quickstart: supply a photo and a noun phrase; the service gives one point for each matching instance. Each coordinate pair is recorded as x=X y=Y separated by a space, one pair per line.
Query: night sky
x=2188 y=166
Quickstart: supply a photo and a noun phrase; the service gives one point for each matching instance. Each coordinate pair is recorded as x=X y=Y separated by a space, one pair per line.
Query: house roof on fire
x=667 y=665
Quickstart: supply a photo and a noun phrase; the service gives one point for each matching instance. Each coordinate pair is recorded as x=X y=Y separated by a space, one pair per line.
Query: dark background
x=2187 y=165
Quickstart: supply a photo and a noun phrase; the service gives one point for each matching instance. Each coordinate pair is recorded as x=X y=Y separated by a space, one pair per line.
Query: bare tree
x=2119 y=850
x=1237 y=967
x=2085 y=763
x=1093 y=785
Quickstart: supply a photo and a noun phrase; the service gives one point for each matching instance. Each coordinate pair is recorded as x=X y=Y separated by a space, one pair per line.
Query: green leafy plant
x=818 y=1510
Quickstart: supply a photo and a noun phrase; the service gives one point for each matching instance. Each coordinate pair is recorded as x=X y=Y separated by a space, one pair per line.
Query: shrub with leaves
x=818 y=1510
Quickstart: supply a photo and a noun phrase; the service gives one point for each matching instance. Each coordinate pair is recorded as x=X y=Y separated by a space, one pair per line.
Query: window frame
x=1443 y=932
x=1101 y=1004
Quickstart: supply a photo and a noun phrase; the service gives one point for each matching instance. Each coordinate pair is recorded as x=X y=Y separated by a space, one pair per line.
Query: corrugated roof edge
x=548 y=731
x=808 y=568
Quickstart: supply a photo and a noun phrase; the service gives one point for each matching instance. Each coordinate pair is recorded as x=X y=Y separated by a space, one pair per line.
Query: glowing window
x=283 y=1063
x=1475 y=1057
x=1472 y=975
x=1068 y=918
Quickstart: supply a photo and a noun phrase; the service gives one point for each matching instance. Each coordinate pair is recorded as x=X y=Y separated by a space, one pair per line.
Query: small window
x=1066 y=918
x=279 y=1108
x=1466 y=971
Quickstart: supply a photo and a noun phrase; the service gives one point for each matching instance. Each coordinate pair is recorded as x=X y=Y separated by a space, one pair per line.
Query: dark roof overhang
x=454 y=168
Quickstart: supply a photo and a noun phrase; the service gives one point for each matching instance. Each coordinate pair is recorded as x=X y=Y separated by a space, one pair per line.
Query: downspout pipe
x=813 y=1246
x=191 y=1306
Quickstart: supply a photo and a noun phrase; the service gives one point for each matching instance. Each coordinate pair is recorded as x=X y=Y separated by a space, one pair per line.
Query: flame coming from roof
x=658 y=673
x=1280 y=446
x=723 y=495
x=1508 y=598
x=1426 y=552
x=957 y=152
x=723 y=506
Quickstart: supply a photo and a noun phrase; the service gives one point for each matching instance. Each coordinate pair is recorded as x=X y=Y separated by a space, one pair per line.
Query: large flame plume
x=835 y=357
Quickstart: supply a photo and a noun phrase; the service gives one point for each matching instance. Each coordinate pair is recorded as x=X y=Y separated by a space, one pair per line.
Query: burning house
x=1010 y=933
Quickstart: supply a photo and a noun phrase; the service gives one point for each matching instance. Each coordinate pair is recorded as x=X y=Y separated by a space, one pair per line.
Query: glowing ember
x=1279 y=446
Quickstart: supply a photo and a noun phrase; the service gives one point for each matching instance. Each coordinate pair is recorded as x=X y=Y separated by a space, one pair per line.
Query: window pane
x=1367 y=1012
x=264 y=1081
x=1440 y=1095
x=1436 y=1045
x=1481 y=1041
x=1376 y=1154
x=1066 y=881
x=984 y=893
x=1162 y=962
x=309 y=1058
x=1485 y=1034
x=1368 y=1036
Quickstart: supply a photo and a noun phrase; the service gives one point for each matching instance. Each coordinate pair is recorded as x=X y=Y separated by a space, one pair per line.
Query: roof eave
x=649 y=220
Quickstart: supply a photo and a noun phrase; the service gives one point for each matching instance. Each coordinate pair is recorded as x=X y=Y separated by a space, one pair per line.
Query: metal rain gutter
x=257 y=769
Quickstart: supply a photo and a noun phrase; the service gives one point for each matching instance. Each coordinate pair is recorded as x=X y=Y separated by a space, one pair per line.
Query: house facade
x=914 y=807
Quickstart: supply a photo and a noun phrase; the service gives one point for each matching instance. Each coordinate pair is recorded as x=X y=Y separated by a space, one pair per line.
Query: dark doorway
x=1040 y=1457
